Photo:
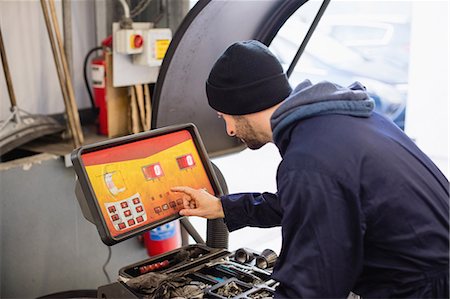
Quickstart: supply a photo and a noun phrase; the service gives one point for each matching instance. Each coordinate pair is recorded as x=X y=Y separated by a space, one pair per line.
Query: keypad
x=126 y=213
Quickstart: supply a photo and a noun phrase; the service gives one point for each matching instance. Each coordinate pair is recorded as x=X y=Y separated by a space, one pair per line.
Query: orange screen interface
x=132 y=181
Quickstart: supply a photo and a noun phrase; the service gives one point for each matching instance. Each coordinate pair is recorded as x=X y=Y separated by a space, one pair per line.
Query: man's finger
x=184 y=189
x=186 y=200
x=188 y=212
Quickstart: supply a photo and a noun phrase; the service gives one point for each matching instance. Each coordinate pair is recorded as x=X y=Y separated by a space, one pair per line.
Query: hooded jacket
x=362 y=209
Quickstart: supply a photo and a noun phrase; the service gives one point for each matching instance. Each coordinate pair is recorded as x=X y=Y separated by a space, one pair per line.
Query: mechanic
x=361 y=207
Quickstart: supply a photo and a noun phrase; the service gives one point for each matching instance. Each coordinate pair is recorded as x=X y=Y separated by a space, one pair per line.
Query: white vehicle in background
x=373 y=51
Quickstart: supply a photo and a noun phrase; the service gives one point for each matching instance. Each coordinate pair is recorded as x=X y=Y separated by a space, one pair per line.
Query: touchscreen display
x=132 y=181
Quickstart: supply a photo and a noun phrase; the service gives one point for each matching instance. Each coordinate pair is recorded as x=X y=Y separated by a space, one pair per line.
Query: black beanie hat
x=247 y=78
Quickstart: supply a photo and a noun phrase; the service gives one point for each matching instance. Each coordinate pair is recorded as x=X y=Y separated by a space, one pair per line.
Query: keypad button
x=115 y=217
x=124 y=205
x=139 y=209
x=158 y=210
x=136 y=201
x=165 y=207
x=131 y=222
x=179 y=201
x=112 y=209
x=140 y=219
x=121 y=225
x=172 y=204
x=127 y=213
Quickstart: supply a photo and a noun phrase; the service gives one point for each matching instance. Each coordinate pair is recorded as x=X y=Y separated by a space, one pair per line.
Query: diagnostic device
x=123 y=184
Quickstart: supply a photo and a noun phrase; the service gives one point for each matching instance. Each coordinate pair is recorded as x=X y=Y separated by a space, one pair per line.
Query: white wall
x=30 y=57
x=427 y=114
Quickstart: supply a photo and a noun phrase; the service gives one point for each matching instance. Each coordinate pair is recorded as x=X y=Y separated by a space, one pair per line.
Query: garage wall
x=30 y=57
x=46 y=245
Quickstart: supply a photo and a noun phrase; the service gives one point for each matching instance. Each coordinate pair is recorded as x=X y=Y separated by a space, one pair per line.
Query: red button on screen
x=153 y=171
x=185 y=161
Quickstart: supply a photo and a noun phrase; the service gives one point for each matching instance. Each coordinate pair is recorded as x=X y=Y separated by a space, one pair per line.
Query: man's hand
x=198 y=202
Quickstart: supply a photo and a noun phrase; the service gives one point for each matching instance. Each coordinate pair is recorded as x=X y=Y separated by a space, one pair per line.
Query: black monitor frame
x=86 y=195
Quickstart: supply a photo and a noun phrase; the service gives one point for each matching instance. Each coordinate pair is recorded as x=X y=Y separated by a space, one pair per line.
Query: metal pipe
x=70 y=117
x=191 y=230
x=12 y=96
x=184 y=236
x=126 y=9
x=307 y=37
x=67 y=33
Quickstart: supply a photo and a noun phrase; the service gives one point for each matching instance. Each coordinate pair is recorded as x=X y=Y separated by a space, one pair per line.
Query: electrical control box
x=124 y=183
x=156 y=43
x=128 y=41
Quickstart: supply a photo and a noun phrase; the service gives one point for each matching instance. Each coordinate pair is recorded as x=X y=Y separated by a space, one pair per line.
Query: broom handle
x=70 y=117
x=12 y=96
x=67 y=76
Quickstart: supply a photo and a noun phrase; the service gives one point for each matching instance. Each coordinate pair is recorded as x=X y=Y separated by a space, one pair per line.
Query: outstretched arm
x=239 y=210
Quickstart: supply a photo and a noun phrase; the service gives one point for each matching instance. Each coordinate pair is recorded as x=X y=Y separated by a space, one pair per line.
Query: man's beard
x=246 y=133
x=252 y=143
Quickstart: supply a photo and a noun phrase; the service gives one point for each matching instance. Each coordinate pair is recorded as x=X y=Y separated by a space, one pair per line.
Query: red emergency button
x=131 y=222
x=127 y=213
x=139 y=209
x=140 y=219
x=138 y=41
x=121 y=225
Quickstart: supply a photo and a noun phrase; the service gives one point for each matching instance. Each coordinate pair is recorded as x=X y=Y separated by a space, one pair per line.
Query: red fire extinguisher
x=98 y=76
x=163 y=238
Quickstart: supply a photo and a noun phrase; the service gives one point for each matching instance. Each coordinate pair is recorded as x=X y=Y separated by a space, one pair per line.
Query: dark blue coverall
x=361 y=207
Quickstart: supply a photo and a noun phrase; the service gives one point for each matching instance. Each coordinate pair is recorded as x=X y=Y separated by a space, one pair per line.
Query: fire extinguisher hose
x=86 y=81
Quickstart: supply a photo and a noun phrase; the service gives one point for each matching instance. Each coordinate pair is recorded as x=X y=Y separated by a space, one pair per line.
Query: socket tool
x=266 y=259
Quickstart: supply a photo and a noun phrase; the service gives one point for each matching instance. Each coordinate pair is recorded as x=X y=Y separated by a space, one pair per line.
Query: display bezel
x=89 y=193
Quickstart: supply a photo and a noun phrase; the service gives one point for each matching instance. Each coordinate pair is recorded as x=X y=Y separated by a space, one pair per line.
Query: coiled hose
x=216 y=230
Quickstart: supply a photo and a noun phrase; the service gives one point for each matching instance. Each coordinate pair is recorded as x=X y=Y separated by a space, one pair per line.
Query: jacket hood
x=308 y=100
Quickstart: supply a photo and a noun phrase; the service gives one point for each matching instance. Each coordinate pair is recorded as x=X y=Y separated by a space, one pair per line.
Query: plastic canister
x=163 y=238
